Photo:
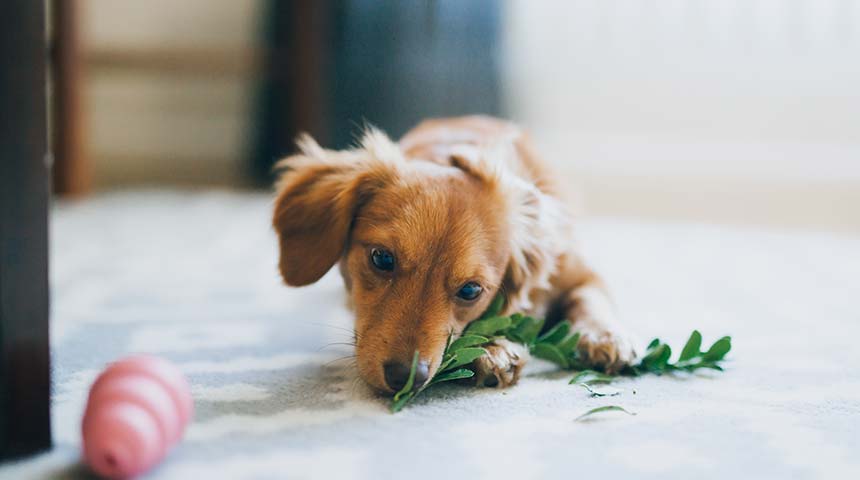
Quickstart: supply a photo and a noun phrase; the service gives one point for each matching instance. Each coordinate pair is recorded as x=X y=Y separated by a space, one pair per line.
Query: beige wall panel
x=157 y=24
x=167 y=123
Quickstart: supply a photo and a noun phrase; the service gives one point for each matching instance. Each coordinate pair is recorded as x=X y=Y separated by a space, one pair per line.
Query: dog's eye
x=470 y=291
x=382 y=259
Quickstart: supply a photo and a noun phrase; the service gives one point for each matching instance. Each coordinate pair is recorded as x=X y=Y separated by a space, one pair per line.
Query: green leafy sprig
x=458 y=353
x=656 y=361
x=452 y=368
x=657 y=354
x=557 y=345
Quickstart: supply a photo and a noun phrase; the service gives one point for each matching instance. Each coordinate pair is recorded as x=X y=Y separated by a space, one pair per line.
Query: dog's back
x=438 y=139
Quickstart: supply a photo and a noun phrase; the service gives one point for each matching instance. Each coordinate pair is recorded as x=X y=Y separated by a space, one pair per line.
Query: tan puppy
x=427 y=232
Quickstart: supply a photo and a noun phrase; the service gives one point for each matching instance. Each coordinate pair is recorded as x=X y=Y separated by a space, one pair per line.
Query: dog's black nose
x=397 y=374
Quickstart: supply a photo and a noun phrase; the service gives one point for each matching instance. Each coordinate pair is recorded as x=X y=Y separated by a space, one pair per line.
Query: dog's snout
x=397 y=374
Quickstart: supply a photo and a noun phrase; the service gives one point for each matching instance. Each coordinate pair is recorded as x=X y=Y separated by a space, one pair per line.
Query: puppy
x=427 y=232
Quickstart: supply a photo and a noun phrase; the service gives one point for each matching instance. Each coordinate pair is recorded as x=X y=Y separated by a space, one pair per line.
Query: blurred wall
x=397 y=63
x=334 y=66
x=740 y=111
x=168 y=89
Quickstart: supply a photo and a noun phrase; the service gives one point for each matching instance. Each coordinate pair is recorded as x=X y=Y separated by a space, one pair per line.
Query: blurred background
x=729 y=111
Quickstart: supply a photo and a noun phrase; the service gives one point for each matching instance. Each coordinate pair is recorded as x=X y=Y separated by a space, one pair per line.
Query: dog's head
x=424 y=247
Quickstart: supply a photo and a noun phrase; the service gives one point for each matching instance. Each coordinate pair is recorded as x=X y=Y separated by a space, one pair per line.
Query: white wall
x=742 y=111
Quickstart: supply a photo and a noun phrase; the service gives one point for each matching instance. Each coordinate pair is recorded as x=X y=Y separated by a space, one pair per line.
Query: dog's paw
x=502 y=364
x=606 y=350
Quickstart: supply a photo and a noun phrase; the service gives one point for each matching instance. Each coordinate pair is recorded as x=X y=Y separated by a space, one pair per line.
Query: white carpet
x=191 y=276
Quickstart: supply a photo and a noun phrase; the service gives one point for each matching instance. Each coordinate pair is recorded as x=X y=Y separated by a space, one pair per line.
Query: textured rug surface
x=191 y=277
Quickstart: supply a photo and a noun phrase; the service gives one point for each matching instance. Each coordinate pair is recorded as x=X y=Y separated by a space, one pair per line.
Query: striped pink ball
x=137 y=410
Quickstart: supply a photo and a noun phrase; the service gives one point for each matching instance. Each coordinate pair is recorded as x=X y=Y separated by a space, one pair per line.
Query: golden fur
x=457 y=200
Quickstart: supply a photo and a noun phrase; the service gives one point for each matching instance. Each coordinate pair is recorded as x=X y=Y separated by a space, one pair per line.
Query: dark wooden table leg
x=24 y=351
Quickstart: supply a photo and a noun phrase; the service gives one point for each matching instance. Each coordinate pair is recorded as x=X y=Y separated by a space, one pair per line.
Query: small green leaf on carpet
x=605 y=408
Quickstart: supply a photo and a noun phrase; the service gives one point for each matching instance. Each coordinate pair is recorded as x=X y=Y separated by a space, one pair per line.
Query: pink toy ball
x=137 y=410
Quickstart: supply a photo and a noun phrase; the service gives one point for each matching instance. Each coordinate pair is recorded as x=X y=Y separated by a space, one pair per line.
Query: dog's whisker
x=335 y=344
x=328 y=325
x=355 y=384
x=340 y=359
x=349 y=344
x=351 y=334
x=343 y=337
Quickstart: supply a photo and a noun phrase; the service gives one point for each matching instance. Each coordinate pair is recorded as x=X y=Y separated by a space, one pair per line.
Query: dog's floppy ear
x=317 y=199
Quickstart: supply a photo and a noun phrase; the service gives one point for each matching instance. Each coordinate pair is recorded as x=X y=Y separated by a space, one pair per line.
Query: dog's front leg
x=604 y=342
x=502 y=364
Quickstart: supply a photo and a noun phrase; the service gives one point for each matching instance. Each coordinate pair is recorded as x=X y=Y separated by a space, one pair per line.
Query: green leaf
x=718 y=350
x=399 y=403
x=568 y=346
x=514 y=337
x=712 y=366
x=487 y=326
x=407 y=388
x=551 y=353
x=591 y=376
x=447 y=361
x=653 y=344
x=651 y=353
x=452 y=375
x=467 y=341
x=529 y=329
x=605 y=408
x=691 y=349
x=658 y=359
x=603 y=392
x=555 y=334
x=495 y=307
x=465 y=356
